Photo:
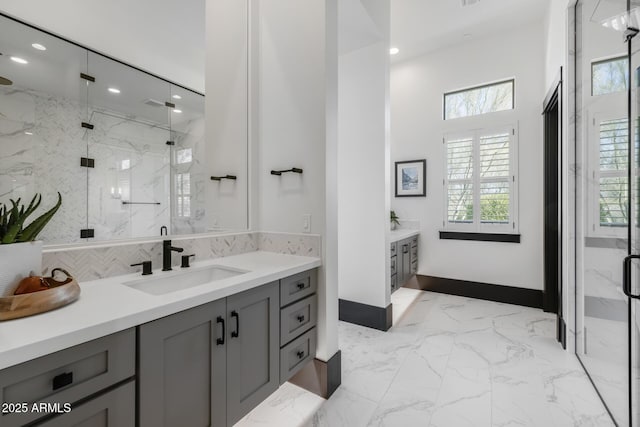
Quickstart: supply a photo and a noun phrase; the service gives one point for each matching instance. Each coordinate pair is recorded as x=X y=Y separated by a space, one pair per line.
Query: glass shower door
x=605 y=208
x=631 y=270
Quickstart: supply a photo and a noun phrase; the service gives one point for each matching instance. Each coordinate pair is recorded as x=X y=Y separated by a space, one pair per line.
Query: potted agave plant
x=20 y=253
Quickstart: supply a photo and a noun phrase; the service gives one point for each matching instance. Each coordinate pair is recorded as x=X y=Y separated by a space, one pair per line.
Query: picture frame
x=411 y=178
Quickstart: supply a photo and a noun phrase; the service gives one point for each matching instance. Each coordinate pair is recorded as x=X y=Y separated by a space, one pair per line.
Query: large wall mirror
x=126 y=149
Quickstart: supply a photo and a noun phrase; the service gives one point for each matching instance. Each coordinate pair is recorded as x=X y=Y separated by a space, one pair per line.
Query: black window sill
x=480 y=237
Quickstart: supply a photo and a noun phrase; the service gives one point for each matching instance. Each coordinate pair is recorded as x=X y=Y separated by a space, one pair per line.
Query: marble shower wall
x=41 y=143
x=132 y=165
x=97 y=262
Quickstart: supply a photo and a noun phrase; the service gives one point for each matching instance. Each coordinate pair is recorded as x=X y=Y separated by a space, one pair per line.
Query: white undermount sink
x=162 y=283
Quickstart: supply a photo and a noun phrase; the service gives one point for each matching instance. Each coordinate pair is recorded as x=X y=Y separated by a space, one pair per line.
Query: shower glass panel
x=129 y=186
x=41 y=137
x=603 y=220
x=188 y=173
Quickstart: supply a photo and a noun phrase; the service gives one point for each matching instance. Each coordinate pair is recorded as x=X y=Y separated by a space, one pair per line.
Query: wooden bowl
x=15 y=306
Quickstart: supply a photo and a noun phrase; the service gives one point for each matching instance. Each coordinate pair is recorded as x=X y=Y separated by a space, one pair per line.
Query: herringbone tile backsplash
x=91 y=263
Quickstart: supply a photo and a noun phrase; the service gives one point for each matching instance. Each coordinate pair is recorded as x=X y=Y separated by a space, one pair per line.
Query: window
x=183 y=194
x=483 y=99
x=480 y=185
x=609 y=76
x=184 y=155
x=610 y=194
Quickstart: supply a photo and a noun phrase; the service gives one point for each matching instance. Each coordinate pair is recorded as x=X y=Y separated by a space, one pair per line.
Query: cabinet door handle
x=300 y=318
x=236 y=333
x=220 y=341
x=62 y=380
x=300 y=285
x=300 y=354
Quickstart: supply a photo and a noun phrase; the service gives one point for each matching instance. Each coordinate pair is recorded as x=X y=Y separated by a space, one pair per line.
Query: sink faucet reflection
x=163 y=230
x=166 y=254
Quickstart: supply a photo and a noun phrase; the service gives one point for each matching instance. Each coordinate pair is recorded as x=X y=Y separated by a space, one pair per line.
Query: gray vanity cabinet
x=253 y=349
x=210 y=365
x=182 y=369
x=404 y=261
x=116 y=408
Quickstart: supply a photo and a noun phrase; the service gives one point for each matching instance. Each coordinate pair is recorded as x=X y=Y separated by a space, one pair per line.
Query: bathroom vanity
x=199 y=355
x=404 y=256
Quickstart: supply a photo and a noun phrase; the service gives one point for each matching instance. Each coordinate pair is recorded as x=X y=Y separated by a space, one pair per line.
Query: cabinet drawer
x=393 y=267
x=67 y=375
x=394 y=282
x=414 y=242
x=298 y=318
x=414 y=253
x=414 y=267
x=297 y=354
x=298 y=286
x=113 y=409
x=393 y=249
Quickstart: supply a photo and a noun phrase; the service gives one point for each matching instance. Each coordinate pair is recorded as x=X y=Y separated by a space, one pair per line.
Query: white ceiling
x=166 y=37
x=421 y=26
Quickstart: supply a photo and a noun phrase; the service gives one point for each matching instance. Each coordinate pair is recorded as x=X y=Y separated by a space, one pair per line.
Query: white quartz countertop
x=401 y=234
x=107 y=306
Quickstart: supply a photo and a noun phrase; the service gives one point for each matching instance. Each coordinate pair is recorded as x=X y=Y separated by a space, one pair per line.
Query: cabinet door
x=113 y=409
x=182 y=369
x=252 y=350
x=405 y=268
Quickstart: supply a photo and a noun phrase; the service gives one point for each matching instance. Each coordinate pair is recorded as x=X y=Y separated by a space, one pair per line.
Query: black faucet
x=166 y=254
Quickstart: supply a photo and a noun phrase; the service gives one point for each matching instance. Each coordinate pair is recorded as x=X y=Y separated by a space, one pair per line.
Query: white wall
x=297 y=70
x=164 y=37
x=227 y=112
x=363 y=152
x=417 y=129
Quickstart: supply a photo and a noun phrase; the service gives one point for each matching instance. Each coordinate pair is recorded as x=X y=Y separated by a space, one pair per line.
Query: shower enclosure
x=607 y=212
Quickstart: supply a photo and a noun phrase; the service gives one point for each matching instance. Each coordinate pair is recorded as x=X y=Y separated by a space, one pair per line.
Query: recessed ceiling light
x=114 y=90
x=28 y=133
x=394 y=51
x=19 y=60
x=176 y=97
x=177 y=111
x=38 y=46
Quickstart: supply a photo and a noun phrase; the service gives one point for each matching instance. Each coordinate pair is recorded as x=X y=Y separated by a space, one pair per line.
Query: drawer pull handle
x=236 y=333
x=300 y=285
x=300 y=318
x=62 y=380
x=300 y=354
x=220 y=341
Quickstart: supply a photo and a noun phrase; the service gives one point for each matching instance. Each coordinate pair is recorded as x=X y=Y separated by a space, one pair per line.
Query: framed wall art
x=411 y=178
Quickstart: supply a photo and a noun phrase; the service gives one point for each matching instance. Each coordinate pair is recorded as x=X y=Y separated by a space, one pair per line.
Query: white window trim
x=477 y=226
x=594 y=174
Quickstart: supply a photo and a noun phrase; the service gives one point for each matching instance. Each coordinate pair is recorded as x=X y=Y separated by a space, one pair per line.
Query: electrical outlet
x=306 y=223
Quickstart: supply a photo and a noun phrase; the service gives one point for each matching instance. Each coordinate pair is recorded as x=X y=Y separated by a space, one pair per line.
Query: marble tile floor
x=448 y=362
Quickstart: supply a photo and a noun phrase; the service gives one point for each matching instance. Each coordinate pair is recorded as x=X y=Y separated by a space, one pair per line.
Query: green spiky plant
x=394 y=218
x=12 y=220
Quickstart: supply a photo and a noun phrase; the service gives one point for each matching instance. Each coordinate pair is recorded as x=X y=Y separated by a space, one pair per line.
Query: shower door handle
x=626 y=276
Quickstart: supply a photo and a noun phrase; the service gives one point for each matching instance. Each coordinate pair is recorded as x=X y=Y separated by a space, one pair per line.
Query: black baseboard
x=485 y=291
x=366 y=315
x=320 y=377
